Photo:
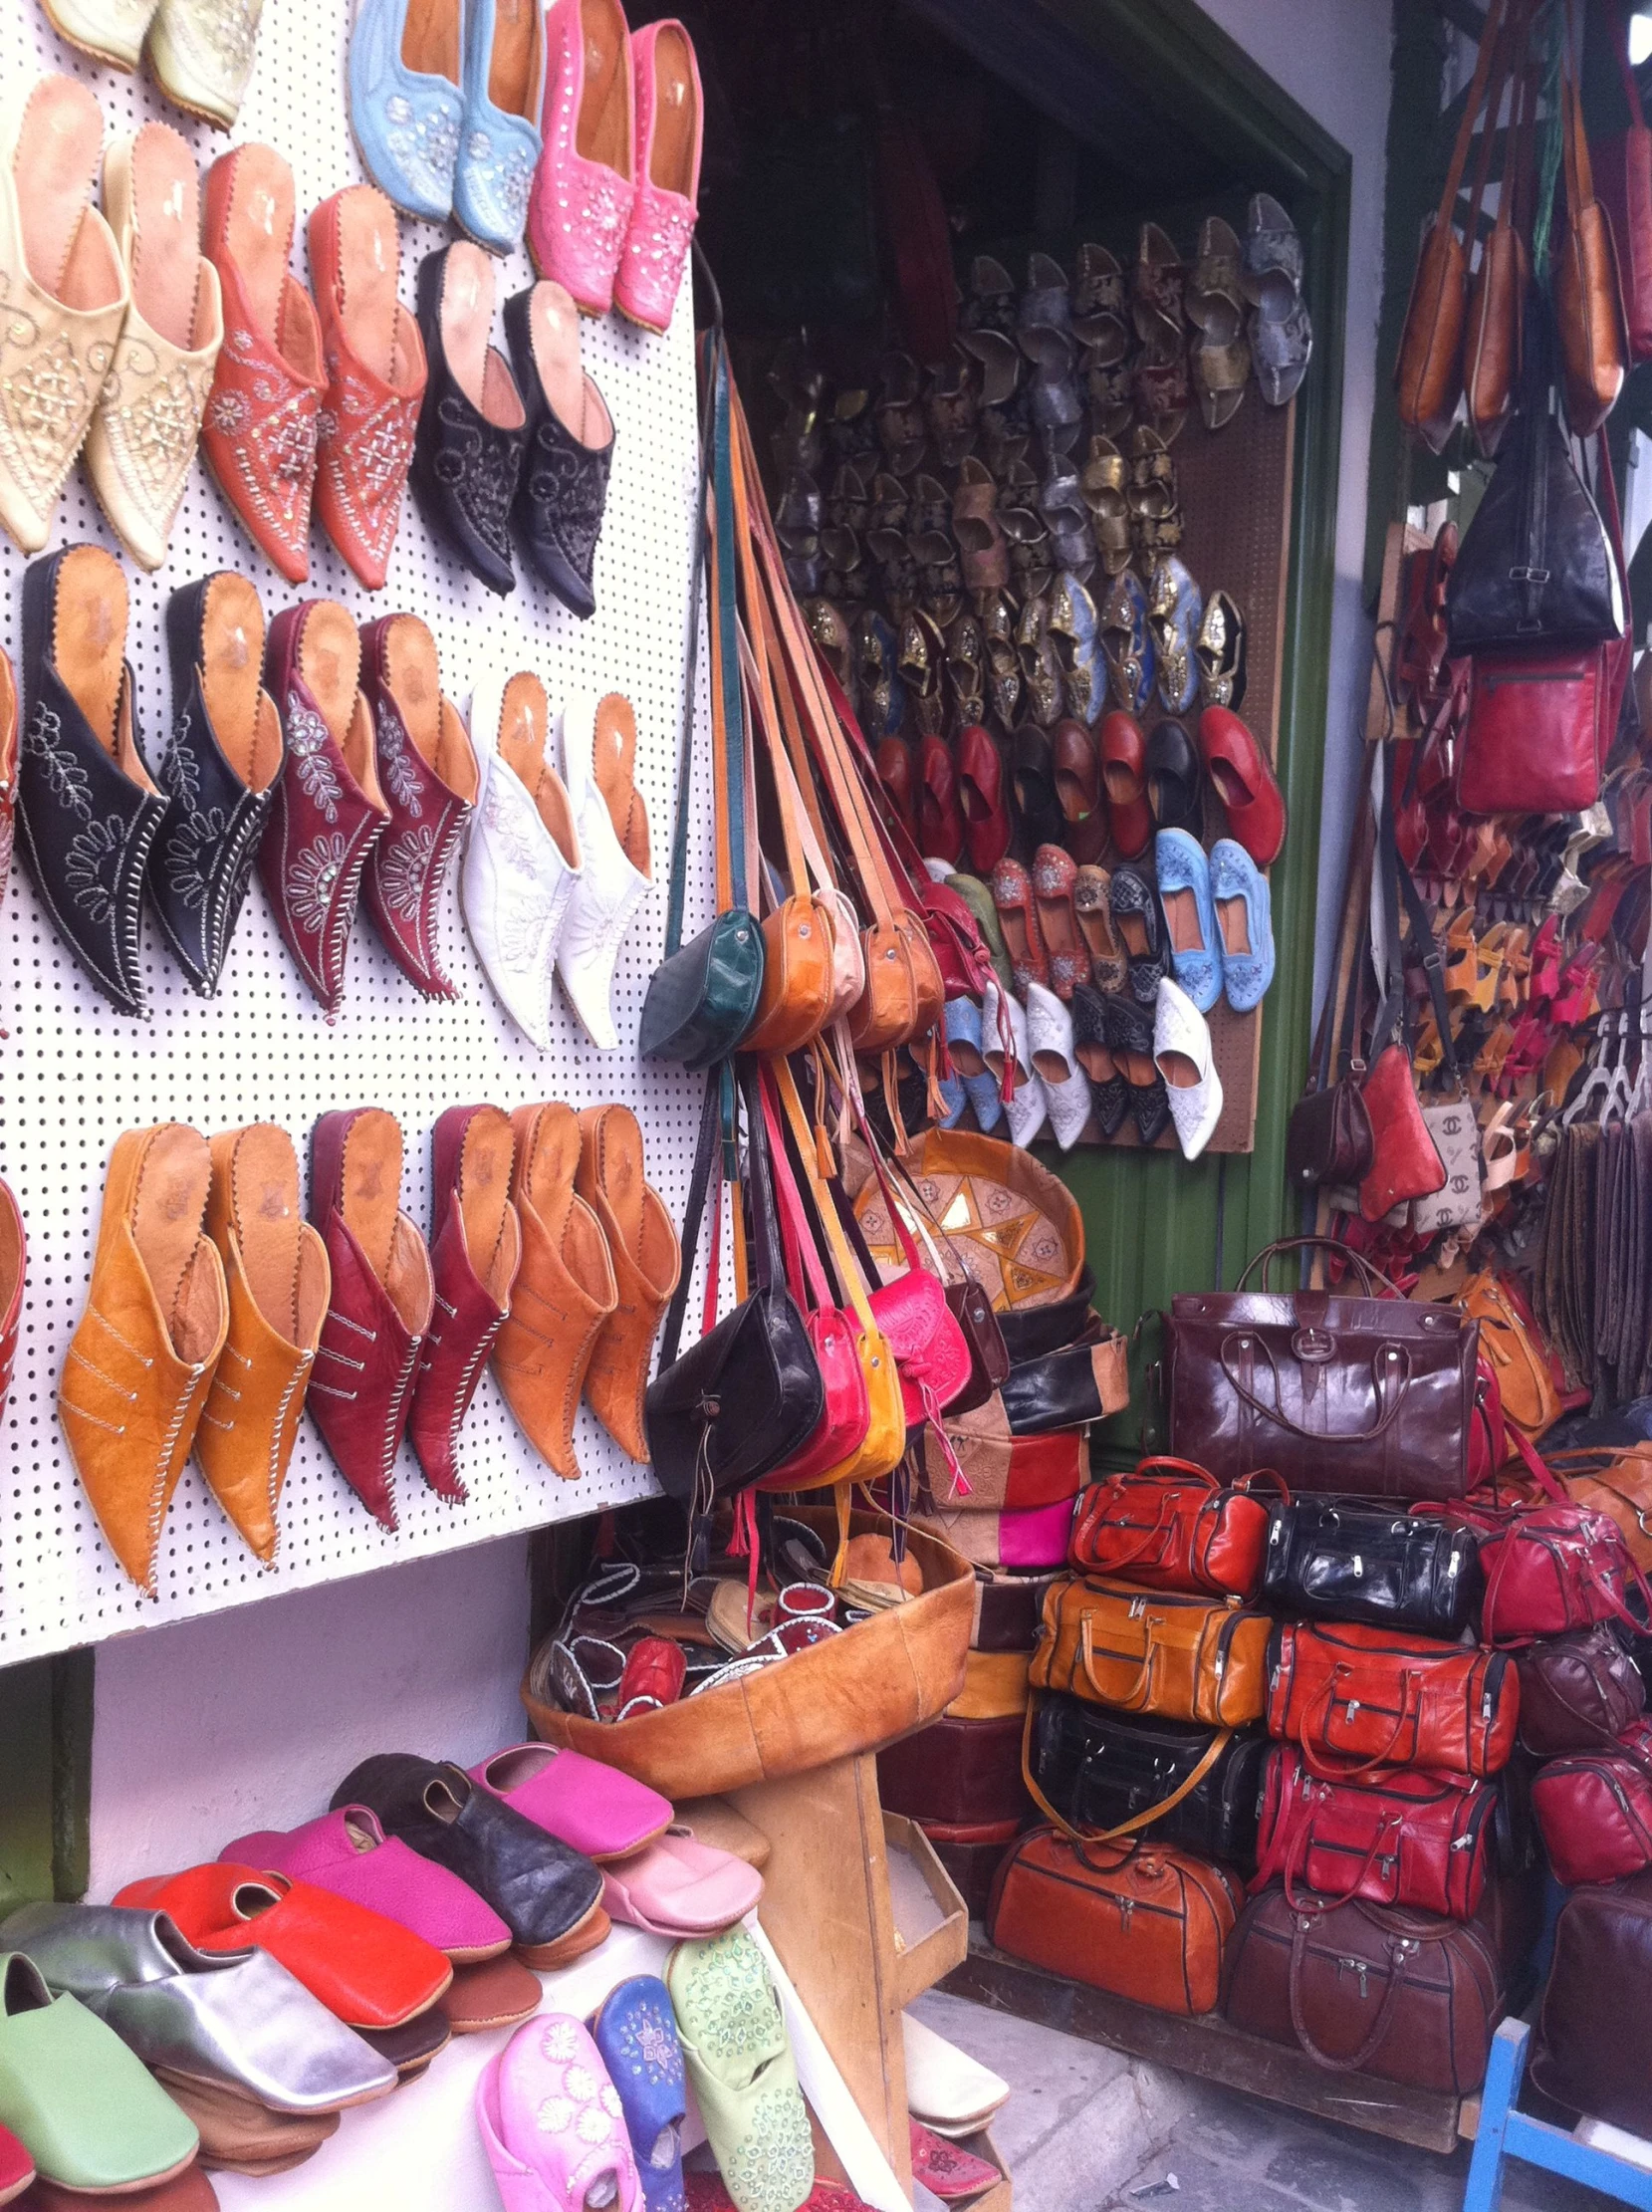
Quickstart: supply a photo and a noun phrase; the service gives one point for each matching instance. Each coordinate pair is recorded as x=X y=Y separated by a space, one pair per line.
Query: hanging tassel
x=891 y=1099
x=841 y=1494
x=949 y=1458
x=744 y=1544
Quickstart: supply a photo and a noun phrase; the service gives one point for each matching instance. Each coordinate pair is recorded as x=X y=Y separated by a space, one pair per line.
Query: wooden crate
x=931 y=1920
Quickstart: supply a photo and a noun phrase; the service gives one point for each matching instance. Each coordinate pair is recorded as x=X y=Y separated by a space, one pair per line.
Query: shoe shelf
x=73 y=1073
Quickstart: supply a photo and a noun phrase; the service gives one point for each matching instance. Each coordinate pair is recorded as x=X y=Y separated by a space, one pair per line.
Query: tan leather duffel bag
x=869 y=1686
x=1152 y=1651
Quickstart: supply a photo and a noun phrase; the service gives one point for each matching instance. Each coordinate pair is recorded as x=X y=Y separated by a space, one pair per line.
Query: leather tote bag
x=1151 y=1923
x=1428 y=373
x=1552 y=1569
x=748 y=1394
x=1357 y=1698
x=1365 y=1395
x=1171 y=1525
x=1104 y=1776
x=1340 y=1558
x=702 y=996
x=1497 y=291
x=1183 y=1658
x=1404 y=1996
x=1624 y=181
x=1398 y=1836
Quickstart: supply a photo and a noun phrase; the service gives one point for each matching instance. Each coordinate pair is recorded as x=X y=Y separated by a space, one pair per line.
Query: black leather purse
x=1328 y=1139
x=1031 y=1330
x=748 y=1394
x=1099 y=1770
x=1340 y=1558
x=1536 y=565
x=703 y=995
x=1065 y=1390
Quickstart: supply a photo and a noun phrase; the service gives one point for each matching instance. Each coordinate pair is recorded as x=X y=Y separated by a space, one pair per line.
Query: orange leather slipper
x=646 y=1260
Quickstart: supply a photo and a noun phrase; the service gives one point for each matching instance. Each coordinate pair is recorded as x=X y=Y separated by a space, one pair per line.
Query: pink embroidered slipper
x=581 y=211
x=669 y=129
x=552 y=2123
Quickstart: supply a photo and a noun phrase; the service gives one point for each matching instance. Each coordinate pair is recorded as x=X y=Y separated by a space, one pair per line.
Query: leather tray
x=856 y=1692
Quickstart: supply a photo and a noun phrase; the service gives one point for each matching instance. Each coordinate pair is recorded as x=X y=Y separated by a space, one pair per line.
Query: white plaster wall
x=1334 y=58
x=246 y=1719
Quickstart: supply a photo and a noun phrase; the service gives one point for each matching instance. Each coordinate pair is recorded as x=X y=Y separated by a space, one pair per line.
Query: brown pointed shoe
x=646 y=1257
x=565 y=1288
x=141 y=1361
x=279 y=1282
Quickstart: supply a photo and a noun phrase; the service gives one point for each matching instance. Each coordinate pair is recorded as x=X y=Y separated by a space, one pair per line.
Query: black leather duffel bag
x=1096 y=1771
x=1342 y=1559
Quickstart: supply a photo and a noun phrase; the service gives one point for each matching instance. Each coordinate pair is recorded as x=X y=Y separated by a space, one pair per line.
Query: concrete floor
x=1090 y=2130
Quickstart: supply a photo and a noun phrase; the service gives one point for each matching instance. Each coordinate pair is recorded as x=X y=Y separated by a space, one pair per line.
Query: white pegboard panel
x=73 y=1073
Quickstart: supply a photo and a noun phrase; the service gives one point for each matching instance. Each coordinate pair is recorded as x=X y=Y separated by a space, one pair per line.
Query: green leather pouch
x=701 y=999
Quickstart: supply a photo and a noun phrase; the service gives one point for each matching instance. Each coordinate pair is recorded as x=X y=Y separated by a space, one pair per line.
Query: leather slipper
x=647 y=1259
x=680 y=1886
x=495 y=1993
x=944 y=2169
x=987 y=826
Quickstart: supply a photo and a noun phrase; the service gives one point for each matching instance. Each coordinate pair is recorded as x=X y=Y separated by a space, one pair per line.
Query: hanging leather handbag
x=1535 y=566
x=1109 y=1775
x=1405 y=1160
x=1578 y=1692
x=1398 y=1836
x=1583 y=274
x=1357 y=1698
x=1171 y=1525
x=1366 y=1396
x=1624 y=181
x=1491 y=345
x=1182 y=1658
x=1337 y=1559
x=1330 y=1139
x=1589 y=2056
x=1526 y=1392
x=748 y=1394
x=1552 y=1569
x=1150 y=1924
x=1403 y=1995
x=1428 y=373
x=1594 y=1810
x=702 y=996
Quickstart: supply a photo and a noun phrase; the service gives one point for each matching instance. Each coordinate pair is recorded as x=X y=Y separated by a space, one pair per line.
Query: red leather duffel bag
x=1171 y=1525
x=1402 y=1836
x=1357 y=1698
x=1554 y=1569
x=1594 y=1810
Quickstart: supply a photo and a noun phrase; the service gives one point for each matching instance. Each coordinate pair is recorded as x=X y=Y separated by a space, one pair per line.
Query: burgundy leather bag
x=1357 y=1698
x=1371 y=1396
x=1594 y=1810
x=1404 y=1996
x=1171 y=1525
x=963 y=1772
x=1623 y=186
x=1554 y=1567
x=1578 y=1692
x=1592 y=2056
x=1398 y=1836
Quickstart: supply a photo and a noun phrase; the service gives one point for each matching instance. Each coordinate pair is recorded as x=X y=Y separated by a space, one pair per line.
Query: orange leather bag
x=1152 y=1651
x=1589 y=310
x=1617 y=1483
x=1524 y=1381
x=1146 y=1923
x=1428 y=374
x=1491 y=351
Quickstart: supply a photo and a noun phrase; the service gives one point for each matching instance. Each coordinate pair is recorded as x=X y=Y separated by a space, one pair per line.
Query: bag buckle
x=1529 y=575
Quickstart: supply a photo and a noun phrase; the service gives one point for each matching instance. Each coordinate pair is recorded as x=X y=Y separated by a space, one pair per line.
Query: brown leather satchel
x=1150 y=1651
x=1407 y=1997
x=1147 y=1923
x=1369 y=1396
x=1588 y=313
x=1428 y=375
x=1578 y=1692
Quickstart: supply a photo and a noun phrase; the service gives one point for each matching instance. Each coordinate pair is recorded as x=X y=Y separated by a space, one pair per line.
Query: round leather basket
x=1015 y=1225
x=857 y=1691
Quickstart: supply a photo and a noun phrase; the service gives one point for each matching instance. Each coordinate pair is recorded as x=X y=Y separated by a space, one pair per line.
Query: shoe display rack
x=73 y=1073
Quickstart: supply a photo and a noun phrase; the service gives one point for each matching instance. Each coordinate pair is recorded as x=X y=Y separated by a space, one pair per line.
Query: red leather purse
x=1594 y=1810
x=1357 y=1698
x=1398 y=1837
x=1172 y=1526
x=1405 y=1160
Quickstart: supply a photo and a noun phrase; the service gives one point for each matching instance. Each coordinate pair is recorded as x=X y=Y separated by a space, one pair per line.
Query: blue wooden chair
x=1508 y=2133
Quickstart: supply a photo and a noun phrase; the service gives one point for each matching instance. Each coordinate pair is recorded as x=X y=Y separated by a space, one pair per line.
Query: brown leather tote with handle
x=1428 y=374
x=1588 y=313
x=1492 y=347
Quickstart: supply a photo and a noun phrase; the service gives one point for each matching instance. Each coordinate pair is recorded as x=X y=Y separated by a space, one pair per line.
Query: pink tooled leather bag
x=931 y=1349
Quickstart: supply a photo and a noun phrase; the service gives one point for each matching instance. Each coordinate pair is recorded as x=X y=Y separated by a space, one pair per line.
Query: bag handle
x=1631 y=91
x=1489 y=36
x=678 y=879
x=843 y=1259
x=1142 y=1687
x=1400 y=1954
x=699 y=1182
x=1388 y=1756
x=1295 y=1866
x=1373 y=1282
x=1138 y=1821
x=728 y=697
x=1389 y=1405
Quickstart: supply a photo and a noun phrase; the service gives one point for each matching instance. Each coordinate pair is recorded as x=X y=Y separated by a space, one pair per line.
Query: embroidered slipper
x=636 y=2034
x=553 y=2126
x=740 y=2061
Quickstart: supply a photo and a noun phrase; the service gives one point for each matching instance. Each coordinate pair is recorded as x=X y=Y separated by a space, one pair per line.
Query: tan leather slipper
x=647 y=1259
